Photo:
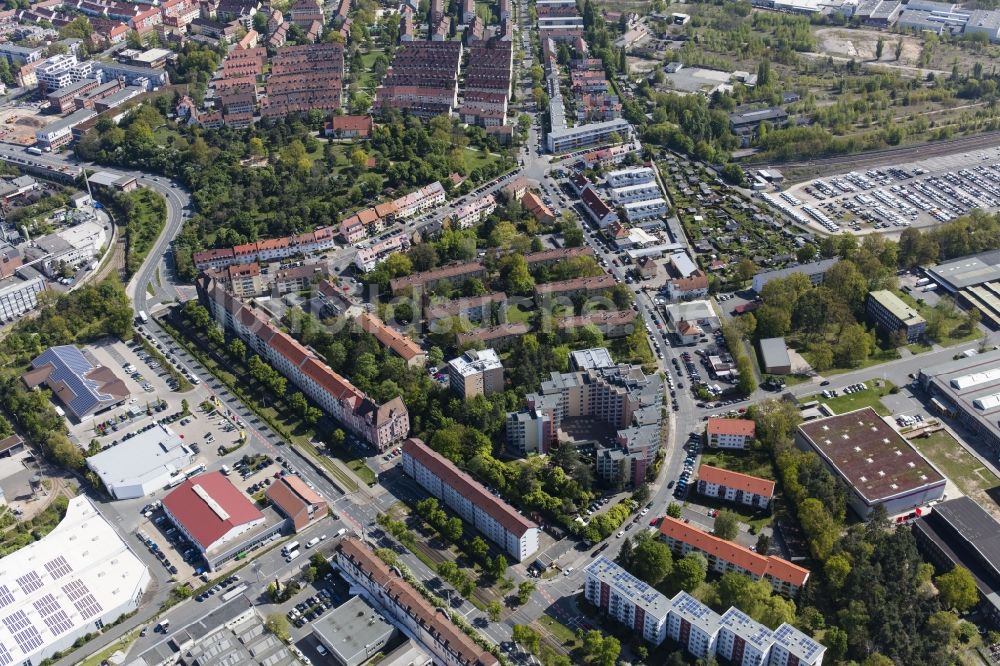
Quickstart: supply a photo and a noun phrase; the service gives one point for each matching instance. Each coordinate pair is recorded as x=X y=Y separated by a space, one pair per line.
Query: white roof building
x=142 y=464
x=78 y=578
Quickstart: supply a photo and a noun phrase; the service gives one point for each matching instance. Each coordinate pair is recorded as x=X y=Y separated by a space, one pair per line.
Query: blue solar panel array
x=6 y=598
x=53 y=615
x=692 y=606
x=30 y=582
x=5 y=657
x=29 y=639
x=58 y=567
x=749 y=630
x=793 y=639
x=81 y=597
x=69 y=365
x=16 y=621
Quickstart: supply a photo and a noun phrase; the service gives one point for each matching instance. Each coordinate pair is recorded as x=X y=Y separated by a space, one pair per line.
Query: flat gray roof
x=969 y=271
x=895 y=305
x=606 y=126
x=774 y=352
x=350 y=628
x=142 y=458
x=967 y=380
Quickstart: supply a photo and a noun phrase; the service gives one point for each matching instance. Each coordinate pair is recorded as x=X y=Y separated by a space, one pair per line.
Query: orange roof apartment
x=730 y=433
x=297 y=501
x=786 y=578
x=735 y=487
x=402 y=346
x=568 y=288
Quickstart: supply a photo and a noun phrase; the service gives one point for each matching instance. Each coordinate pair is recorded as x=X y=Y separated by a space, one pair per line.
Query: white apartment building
x=369 y=257
x=735 y=487
x=561 y=140
x=634 y=176
x=476 y=373
x=643 y=210
x=692 y=624
x=495 y=519
x=742 y=641
x=475 y=212
x=730 y=433
x=632 y=193
x=627 y=599
x=793 y=648
x=62 y=70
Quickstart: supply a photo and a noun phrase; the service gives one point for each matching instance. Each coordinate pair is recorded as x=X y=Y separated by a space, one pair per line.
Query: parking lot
x=888 y=199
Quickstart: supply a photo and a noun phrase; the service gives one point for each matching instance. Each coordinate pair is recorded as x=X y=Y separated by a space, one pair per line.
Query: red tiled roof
x=727 y=551
x=743 y=427
x=390 y=337
x=594 y=202
x=301 y=489
x=467 y=487
x=199 y=519
x=603 y=281
x=401 y=593
x=286 y=345
x=736 y=480
x=333 y=383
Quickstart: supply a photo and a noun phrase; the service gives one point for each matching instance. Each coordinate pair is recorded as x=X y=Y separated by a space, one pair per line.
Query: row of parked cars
x=232 y=580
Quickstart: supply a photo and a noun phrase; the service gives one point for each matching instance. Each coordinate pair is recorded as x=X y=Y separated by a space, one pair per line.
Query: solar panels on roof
x=976 y=378
x=6 y=598
x=796 y=642
x=58 y=567
x=29 y=582
x=80 y=595
x=5 y=657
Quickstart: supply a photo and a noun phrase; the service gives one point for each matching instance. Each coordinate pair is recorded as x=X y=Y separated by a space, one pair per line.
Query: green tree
x=745 y=269
x=524 y=591
x=727 y=525
x=277 y=624
x=493 y=610
x=879 y=48
x=957 y=589
x=674 y=510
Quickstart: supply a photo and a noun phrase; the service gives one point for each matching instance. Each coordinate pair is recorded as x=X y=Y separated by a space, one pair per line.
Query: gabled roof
x=209 y=506
x=82 y=386
x=736 y=480
x=744 y=427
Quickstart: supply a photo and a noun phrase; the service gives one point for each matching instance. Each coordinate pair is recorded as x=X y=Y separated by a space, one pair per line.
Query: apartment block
x=501 y=336
x=892 y=316
x=382 y=425
x=693 y=625
x=587 y=286
x=273 y=249
x=423 y=78
x=630 y=177
x=402 y=346
x=645 y=209
x=406 y=608
x=455 y=274
x=730 y=433
x=476 y=372
x=612 y=324
x=474 y=212
x=741 y=640
x=627 y=599
x=490 y=515
x=368 y=258
x=597 y=209
x=244 y=280
x=786 y=578
x=632 y=193
x=735 y=487
x=471 y=309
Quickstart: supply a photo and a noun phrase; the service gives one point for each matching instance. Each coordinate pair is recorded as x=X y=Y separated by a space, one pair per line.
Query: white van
x=342 y=531
x=312 y=542
x=225 y=470
x=292 y=555
x=289 y=547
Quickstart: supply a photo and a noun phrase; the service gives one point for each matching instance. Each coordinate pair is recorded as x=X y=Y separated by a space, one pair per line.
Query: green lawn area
x=963 y=468
x=475 y=158
x=121 y=644
x=559 y=631
x=753 y=462
x=516 y=315
x=846 y=402
x=366 y=79
x=954 y=329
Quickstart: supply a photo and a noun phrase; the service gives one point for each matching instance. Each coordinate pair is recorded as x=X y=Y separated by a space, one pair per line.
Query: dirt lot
x=861 y=44
x=18 y=125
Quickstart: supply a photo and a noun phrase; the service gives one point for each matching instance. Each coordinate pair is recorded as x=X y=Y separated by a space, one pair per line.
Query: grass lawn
x=475 y=158
x=516 y=315
x=963 y=468
x=846 y=402
x=955 y=332
x=366 y=79
x=121 y=644
x=559 y=631
x=753 y=462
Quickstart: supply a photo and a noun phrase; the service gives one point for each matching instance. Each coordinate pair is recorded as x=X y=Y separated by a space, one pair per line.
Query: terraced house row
x=380 y=424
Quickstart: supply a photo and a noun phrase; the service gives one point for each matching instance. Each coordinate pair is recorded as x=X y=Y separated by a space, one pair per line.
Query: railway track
x=800 y=170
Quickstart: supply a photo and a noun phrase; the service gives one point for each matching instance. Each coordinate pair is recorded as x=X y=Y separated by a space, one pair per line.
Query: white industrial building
x=78 y=578
x=142 y=464
x=18 y=296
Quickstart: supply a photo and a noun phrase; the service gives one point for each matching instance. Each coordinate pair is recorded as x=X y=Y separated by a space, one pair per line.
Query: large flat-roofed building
x=18 y=296
x=142 y=464
x=561 y=140
x=815 y=271
x=353 y=632
x=79 y=577
x=892 y=316
x=742 y=641
x=693 y=625
x=493 y=517
x=403 y=605
x=974 y=280
x=217 y=517
x=627 y=599
x=878 y=466
x=786 y=578
x=960 y=532
x=476 y=372
x=968 y=389
x=81 y=385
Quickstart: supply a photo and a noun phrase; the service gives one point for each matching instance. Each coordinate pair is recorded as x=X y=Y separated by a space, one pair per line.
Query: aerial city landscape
x=482 y=332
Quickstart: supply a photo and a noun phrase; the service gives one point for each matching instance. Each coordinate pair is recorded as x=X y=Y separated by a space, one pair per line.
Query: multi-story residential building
x=62 y=70
x=569 y=138
x=402 y=346
x=687 y=288
x=815 y=271
x=612 y=324
x=498 y=337
x=454 y=273
x=597 y=210
x=272 y=249
x=490 y=515
x=304 y=77
x=786 y=578
x=627 y=599
x=569 y=288
x=474 y=212
x=64 y=98
x=730 y=433
x=380 y=424
x=146 y=21
x=894 y=317
x=298 y=278
x=472 y=309
x=244 y=280
x=476 y=372
x=423 y=78
x=646 y=209
x=147 y=78
x=693 y=625
x=368 y=258
x=793 y=648
x=405 y=607
x=742 y=641
x=21 y=55
x=640 y=192
x=735 y=487
x=630 y=177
